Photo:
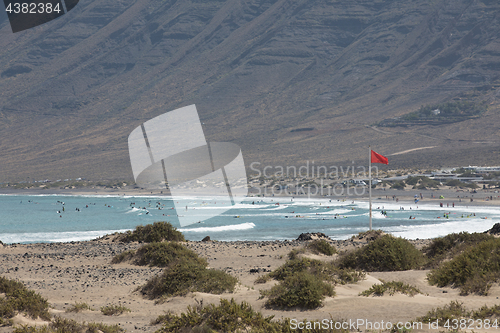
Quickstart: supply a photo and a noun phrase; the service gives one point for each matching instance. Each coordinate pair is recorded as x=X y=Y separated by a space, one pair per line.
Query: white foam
x=440 y=229
x=49 y=237
x=243 y=226
x=276 y=207
x=343 y=211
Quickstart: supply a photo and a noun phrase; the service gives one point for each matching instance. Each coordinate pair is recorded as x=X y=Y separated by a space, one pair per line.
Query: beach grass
x=114 y=310
x=159 y=254
x=104 y=328
x=487 y=312
x=19 y=299
x=294 y=266
x=473 y=271
x=156 y=232
x=369 y=235
x=302 y=289
x=124 y=256
x=449 y=246
x=228 y=316
x=188 y=275
x=391 y=288
x=62 y=325
x=305 y=282
x=185 y=271
x=263 y=279
x=321 y=246
x=456 y=310
x=79 y=307
x=453 y=310
x=386 y=253
x=348 y=275
x=325 y=270
x=294 y=254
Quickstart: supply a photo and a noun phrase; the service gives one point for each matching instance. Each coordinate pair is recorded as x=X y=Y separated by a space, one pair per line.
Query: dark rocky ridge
x=73 y=89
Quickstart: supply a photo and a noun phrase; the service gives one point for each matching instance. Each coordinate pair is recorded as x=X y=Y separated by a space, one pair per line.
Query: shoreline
x=486 y=197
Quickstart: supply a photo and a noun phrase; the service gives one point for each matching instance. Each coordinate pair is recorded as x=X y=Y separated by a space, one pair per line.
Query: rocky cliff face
x=289 y=81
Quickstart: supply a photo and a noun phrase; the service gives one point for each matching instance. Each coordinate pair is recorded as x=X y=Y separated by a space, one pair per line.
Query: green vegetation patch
x=324 y=270
x=294 y=254
x=398 y=185
x=79 y=307
x=18 y=298
x=487 y=312
x=188 y=275
x=455 y=316
x=422 y=182
x=158 y=254
x=386 y=253
x=124 y=256
x=492 y=175
x=263 y=279
x=60 y=325
x=391 y=288
x=156 y=232
x=302 y=289
x=294 y=266
x=436 y=114
x=229 y=316
x=305 y=282
x=184 y=271
x=114 y=310
x=369 y=235
x=458 y=183
x=454 y=310
x=449 y=246
x=321 y=246
x=473 y=271
x=454 y=109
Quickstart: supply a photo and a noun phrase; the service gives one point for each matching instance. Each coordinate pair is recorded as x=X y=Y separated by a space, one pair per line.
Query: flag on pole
x=377 y=158
x=373 y=158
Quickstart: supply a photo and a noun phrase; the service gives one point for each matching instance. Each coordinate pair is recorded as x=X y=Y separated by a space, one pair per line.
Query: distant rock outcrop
x=311 y=236
x=368 y=236
x=206 y=239
x=495 y=230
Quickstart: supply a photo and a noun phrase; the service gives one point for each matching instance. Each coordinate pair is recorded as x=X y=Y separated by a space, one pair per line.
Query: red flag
x=377 y=158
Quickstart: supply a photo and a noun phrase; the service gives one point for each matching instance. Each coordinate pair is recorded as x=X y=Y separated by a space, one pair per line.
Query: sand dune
x=81 y=272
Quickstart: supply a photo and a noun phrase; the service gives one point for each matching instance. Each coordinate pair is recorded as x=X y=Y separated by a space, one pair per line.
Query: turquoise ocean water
x=41 y=218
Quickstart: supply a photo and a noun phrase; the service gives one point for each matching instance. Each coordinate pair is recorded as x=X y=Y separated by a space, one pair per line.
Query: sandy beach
x=66 y=273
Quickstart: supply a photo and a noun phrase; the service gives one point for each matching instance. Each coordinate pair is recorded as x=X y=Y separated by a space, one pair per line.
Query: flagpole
x=370 y=182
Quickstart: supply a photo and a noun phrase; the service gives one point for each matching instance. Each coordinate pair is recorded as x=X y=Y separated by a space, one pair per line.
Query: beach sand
x=66 y=273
